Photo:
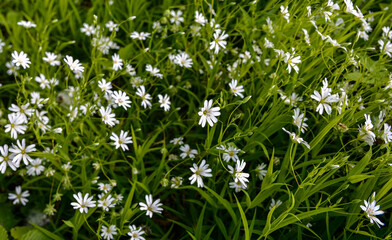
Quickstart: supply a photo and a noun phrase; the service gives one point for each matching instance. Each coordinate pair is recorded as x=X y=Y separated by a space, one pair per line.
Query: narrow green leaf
x=46 y=232
x=244 y=220
x=199 y=226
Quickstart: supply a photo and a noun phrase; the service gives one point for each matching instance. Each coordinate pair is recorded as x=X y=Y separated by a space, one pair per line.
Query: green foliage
x=292 y=190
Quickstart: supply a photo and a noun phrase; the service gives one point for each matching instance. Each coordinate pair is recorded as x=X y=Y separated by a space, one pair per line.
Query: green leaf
x=68 y=223
x=384 y=190
x=34 y=235
x=3 y=233
x=244 y=220
x=359 y=178
x=18 y=232
x=199 y=226
x=221 y=226
x=46 y=232
x=361 y=165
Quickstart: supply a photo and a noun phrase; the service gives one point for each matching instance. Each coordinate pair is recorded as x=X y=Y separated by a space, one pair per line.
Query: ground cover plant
x=195 y=119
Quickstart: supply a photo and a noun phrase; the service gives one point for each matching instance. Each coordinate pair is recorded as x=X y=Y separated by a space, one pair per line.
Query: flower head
x=208 y=114
x=20 y=59
x=121 y=99
x=75 y=66
x=141 y=92
x=83 y=202
x=6 y=159
x=200 y=171
x=21 y=152
x=372 y=210
x=19 y=197
x=236 y=90
x=16 y=125
x=136 y=233
x=150 y=206
x=164 y=101
x=121 y=141
x=219 y=41
x=108 y=232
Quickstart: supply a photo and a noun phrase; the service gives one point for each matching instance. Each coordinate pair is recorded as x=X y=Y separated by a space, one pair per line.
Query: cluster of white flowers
x=125 y=108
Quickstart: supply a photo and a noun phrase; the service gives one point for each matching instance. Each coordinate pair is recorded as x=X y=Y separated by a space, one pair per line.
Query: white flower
x=154 y=71
x=299 y=120
x=261 y=172
x=325 y=98
x=292 y=99
x=176 y=17
x=16 y=125
x=108 y=117
x=12 y=68
x=21 y=152
x=365 y=132
x=88 y=29
x=208 y=114
x=130 y=70
x=51 y=58
x=121 y=141
x=176 y=182
x=117 y=62
x=183 y=60
x=307 y=39
x=20 y=59
x=105 y=86
x=275 y=203
x=26 y=24
x=24 y=111
x=105 y=187
x=108 y=232
x=141 y=92
x=140 y=36
x=238 y=174
x=236 y=90
x=35 y=168
x=219 y=41
x=363 y=35
x=43 y=82
x=112 y=26
x=385 y=47
x=387 y=134
x=19 y=197
x=237 y=186
x=285 y=12
x=106 y=203
x=200 y=19
x=231 y=153
x=295 y=138
x=164 y=101
x=136 y=233
x=75 y=66
x=372 y=210
x=177 y=141
x=121 y=99
x=200 y=171
x=83 y=202
x=292 y=61
x=6 y=159
x=66 y=167
x=187 y=152
x=150 y=206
